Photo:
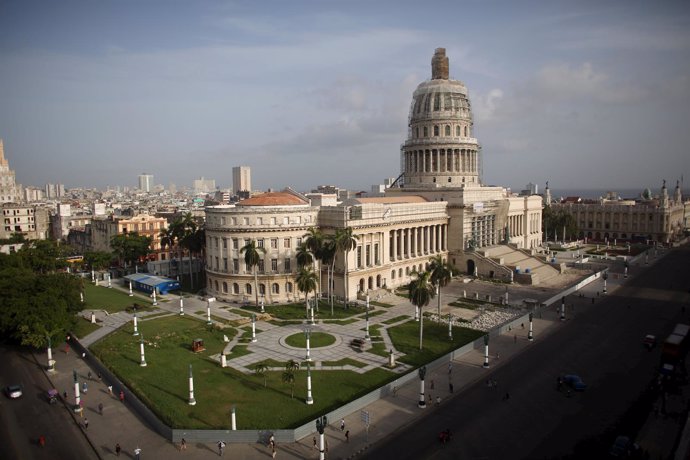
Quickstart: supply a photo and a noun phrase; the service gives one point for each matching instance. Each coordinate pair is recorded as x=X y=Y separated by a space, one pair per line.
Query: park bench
x=358 y=344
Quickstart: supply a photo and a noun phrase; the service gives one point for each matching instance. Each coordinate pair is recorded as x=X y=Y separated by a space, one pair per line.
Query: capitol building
x=437 y=206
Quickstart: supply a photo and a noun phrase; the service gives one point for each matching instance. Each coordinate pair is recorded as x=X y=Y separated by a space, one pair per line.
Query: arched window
x=400 y=273
x=448 y=181
x=457 y=131
x=437 y=102
x=393 y=274
x=361 y=285
x=288 y=287
x=378 y=281
x=426 y=132
x=215 y=283
x=371 y=282
x=407 y=270
x=225 y=287
x=467 y=131
x=436 y=130
x=447 y=130
x=416 y=132
x=235 y=288
x=247 y=288
x=275 y=289
x=262 y=289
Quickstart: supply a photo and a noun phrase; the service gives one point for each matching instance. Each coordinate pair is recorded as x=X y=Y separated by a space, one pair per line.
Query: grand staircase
x=526 y=267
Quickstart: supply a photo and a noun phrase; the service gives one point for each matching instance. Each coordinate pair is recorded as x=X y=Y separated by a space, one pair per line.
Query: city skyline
x=584 y=96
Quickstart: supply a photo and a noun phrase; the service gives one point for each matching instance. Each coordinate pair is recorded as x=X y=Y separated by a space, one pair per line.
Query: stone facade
x=101 y=230
x=9 y=191
x=29 y=220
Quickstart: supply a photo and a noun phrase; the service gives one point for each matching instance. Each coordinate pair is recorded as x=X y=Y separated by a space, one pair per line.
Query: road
x=23 y=420
x=602 y=344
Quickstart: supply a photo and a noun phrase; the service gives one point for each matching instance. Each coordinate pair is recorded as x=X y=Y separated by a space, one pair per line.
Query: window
x=235 y=265
x=235 y=288
x=437 y=102
x=274 y=265
x=260 y=243
x=426 y=132
x=416 y=132
x=246 y=241
x=245 y=220
x=216 y=241
x=235 y=243
x=359 y=256
x=248 y=288
x=234 y=220
x=298 y=243
x=273 y=220
x=274 y=243
x=216 y=285
x=225 y=263
x=287 y=265
x=286 y=242
x=222 y=221
x=288 y=287
x=225 y=243
x=259 y=221
x=457 y=131
x=447 y=130
x=216 y=262
x=286 y=220
x=262 y=289
x=393 y=274
x=377 y=260
x=435 y=130
x=225 y=287
x=275 y=289
x=368 y=255
x=467 y=131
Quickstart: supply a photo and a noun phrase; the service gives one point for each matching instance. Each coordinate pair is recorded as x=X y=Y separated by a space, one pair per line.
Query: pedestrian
x=272 y=441
x=83 y=356
x=438 y=401
x=89 y=375
x=430 y=399
x=432 y=384
x=273 y=452
x=342 y=424
x=592 y=300
x=221 y=446
x=84 y=387
x=66 y=348
x=64 y=395
x=137 y=453
x=86 y=423
x=450 y=368
x=42 y=441
x=347 y=436
x=117 y=449
x=507 y=396
x=100 y=408
x=122 y=396
x=450 y=387
x=314 y=442
x=183 y=444
x=100 y=377
x=522 y=325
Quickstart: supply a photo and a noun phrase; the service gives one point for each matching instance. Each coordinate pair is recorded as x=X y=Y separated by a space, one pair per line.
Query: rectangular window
x=225 y=243
x=359 y=256
x=299 y=242
x=259 y=221
x=287 y=265
x=225 y=263
x=274 y=243
x=274 y=265
x=286 y=243
x=216 y=240
x=273 y=220
x=286 y=220
x=216 y=263
x=261 y=266
x=245 y=221
x=246 y=241
x=260 y=243
x=222 y=221
x=377 y=260
x=235 y=265
x=235 y=243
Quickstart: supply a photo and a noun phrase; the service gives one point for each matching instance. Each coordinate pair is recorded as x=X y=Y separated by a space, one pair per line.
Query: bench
x=358 y=344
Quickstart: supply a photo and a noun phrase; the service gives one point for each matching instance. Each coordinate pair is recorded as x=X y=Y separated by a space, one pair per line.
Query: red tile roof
x=273 y=199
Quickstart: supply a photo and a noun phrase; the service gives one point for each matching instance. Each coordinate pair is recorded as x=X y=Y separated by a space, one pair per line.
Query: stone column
x=393 y=240
x=407 y=243
x=141 y=350
x=192 y=401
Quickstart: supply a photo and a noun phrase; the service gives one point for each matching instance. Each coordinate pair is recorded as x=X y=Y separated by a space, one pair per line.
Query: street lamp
x=307 y=335
x=253 y=327
x=486 y=351
x=625 y=270
x=563 y=308
x=530 y=336
x=422 y=400
x=181 y=305
x=262 y=304
x=51 y=361
x=321 y=424
x=77 y=398
x=450 y=327
x=136 y=331
x=141 y=349
x=192 y=401
x=155 y=302
x=366 y=330
x=309 y=400
x=208 y=309
x=131 y=294
x=605 y=277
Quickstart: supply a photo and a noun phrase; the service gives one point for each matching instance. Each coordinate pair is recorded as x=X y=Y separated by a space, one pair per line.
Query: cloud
x=485 y=106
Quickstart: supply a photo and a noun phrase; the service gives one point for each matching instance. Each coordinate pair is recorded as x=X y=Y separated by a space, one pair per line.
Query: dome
x=273 y=199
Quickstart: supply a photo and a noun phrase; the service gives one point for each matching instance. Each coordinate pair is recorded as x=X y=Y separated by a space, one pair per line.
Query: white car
x=13 y=391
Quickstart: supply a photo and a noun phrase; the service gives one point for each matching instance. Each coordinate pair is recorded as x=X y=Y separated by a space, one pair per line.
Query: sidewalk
x=119 y=424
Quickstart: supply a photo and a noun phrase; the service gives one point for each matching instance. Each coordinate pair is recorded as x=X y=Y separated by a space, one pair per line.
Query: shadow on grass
x=174 y=395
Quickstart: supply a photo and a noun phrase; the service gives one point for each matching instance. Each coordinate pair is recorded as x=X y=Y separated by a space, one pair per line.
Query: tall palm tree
x=441 y=274
x=328 y=259
x=291 y=367
x=304 y=256
x=345 y=242
x=261 y=369
x=167 y=238
x=252 y=255
x=314 y=240
x=420 y=292
x=177 y=232
x=189 y=228
x=306 y=282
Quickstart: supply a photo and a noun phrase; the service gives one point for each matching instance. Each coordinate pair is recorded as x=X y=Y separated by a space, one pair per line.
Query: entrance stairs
x=527 y=268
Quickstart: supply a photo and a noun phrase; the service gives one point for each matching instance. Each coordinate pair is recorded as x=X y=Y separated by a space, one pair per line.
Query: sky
x=586 y=94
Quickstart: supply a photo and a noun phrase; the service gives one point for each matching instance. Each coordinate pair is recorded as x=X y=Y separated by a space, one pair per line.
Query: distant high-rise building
x=9 y=191
x=202 y=185
x=146 y=182
x=241 y=179
x=54 y=191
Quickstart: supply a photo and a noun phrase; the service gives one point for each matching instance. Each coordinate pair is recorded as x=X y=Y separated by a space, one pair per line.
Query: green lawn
x=344 y=362
x=163 y=384
x=316 y=340
x=83 y=327
x=111 y=300
x=295 y=311
x=396 y=319
x=405 y=337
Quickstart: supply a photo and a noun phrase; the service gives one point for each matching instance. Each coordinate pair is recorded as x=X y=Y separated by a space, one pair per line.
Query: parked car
x=13 y=391
x=574 y=382
x=623 y=447
x=649 y=341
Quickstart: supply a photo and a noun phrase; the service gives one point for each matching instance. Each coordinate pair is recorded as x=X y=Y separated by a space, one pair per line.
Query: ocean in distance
x=623 y=193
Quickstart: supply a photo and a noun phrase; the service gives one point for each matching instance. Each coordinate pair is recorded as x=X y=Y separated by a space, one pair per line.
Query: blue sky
x=585 y=94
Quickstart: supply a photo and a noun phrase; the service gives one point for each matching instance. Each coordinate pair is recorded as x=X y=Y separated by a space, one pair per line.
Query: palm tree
x=176 y=229
x=189 y=228
x=167 y=240
x=252 y=256
x=420 y=292
x=289 y=375
x=260 y=369
x=306 y=282
x=345 y=242
x=314 y=240
x=304 y=256
x=441 y=274
x=328 y=258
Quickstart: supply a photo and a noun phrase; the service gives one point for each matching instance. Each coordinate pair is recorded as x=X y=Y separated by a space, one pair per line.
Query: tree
x=43 y=256
x=328 y=259
x=304 y=256
x=306 y=282
x=291 y=367
x=441 y=274
x=420 y=292
x=314 y=240
x=345 y=242
x=98 y=260
x=189 y=228
x=261 y=369
x=252 y=256
x=130 y=247
x=556 y=220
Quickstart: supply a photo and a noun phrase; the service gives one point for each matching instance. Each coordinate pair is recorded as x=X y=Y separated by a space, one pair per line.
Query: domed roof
x=273 y=199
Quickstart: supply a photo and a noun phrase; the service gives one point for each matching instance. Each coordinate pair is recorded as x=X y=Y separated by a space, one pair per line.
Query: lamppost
x=136 y=331
x=131 y=294
x=625 y=270
x=605 y=277
x=141 y=349
x=321 y=424
x=77 y=398
x=192 y=401
x=110 y=283
x=181 y=305
x=486 y=351
x=366 y=330
x=253 y=327
x=422 y=400
x=233 y=419
x=262 y=304
x=208 y=309
x=51 y=361
x=155 y=302
x=309 y=400
x=307 y=335
x=563 y=308
x=450 y=327
x=530 y=336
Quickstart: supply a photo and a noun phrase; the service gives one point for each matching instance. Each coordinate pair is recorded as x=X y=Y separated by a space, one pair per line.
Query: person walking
x=117 y=449
x=183 y=444
x=122 y=396
x=137 y=453
x=86 y=423
x=221 y=447
x=100 y=408
x=315 y=443
x=342 y=424
x=450 y=387
x=347 y=436
x=110 y=390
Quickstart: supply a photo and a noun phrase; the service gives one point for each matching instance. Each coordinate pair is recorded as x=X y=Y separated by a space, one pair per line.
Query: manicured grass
x=397 y=319
x=237 y=351
x=156 y=315
x=111 y=300
x=316 y=340
x=470 y=304
x=405 y=337
x=341 y=322
x=378 y=348
x=83 y=327
x=376 y=313
x=163 y=385
x=298 y=311
x=270 y=363
x=277 y=322
x=344 y=362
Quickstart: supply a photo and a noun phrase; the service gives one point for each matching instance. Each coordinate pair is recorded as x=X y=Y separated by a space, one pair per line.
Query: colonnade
x=442 y=160
x=418 y=241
